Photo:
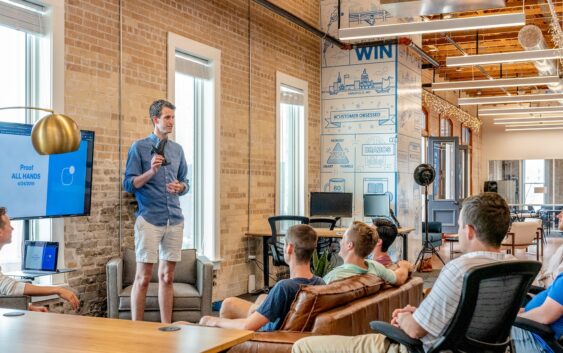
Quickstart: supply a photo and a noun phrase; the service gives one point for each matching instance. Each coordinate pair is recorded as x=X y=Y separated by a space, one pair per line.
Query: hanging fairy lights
x=442 y=107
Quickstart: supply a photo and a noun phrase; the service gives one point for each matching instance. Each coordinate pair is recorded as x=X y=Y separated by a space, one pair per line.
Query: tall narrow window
x=446 y=129
x=292 y=145
x=194 y=76
x=32 y=32
x=466 y=160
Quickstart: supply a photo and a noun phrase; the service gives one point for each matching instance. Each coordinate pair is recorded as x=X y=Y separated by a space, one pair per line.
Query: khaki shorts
x=149 y=238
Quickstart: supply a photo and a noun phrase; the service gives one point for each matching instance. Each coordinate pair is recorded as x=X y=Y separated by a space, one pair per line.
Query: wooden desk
x=265 y=234
x=57 y=333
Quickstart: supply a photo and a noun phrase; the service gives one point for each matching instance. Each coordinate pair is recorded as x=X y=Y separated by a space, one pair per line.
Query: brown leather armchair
x=343 y=307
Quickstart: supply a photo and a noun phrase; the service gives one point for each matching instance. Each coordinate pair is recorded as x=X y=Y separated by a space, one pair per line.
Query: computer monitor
x=376 y=205
x=332 y=204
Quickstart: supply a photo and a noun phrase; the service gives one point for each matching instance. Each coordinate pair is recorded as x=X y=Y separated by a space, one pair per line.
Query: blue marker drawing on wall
x=369 y=17
x=363 y=85
x=338 y=155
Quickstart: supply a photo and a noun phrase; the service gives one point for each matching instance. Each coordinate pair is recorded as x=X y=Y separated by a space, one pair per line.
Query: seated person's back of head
x=300 y=243
x=387 y=232
x=356 y=244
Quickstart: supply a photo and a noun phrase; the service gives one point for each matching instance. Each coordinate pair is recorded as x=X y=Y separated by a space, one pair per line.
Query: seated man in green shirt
x=358 y=242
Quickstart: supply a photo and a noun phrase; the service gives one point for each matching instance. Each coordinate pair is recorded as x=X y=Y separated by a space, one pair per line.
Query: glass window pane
x=292 y=151
x=185 y=88
x=12 y=72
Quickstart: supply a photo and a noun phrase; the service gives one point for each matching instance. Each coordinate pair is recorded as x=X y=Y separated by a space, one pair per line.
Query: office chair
x=490 y=299
x=277 y=225
x=544 y=331
x=324 y=243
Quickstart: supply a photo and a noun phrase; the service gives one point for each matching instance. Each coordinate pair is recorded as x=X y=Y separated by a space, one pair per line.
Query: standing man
x=156 y=172
x=9 y=286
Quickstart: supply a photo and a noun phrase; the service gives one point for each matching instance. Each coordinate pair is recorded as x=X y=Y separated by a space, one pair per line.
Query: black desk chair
x=544 y=331
x=275 y=245
x=324 y=243
x=490 y=299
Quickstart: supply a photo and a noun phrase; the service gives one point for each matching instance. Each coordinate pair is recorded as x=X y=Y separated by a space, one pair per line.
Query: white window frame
x=287 y=80
x=55 y=25
x=209 y=145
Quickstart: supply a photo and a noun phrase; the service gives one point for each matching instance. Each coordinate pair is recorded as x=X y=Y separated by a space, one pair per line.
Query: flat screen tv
x=332 y=204
x=41 y=186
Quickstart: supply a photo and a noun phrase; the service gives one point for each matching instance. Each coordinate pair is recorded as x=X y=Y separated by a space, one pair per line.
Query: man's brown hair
x=3 y=211
x=304 y=240
x=489 y=215
x=364 y=238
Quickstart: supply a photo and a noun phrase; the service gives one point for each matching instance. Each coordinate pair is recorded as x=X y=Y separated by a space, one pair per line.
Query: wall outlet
x=251 y=257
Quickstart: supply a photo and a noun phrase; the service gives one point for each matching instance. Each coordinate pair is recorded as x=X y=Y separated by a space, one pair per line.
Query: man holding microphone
x=156 y=173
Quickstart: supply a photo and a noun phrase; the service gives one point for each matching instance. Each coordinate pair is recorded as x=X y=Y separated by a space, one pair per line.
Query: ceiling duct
x=402 y=8
x=531 y=38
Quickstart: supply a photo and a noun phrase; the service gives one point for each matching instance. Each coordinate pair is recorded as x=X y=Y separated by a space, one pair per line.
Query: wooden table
x=265 y=234
x=58 y=333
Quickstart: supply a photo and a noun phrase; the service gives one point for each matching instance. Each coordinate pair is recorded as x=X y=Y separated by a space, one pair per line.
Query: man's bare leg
x=166 y=290
x=139 y=292
x=234 y=308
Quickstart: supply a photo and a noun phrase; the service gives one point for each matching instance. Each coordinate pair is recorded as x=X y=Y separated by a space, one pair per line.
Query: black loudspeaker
x=491 y=186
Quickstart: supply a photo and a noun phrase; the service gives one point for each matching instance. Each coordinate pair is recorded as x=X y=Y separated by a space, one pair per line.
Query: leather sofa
x=344 y=307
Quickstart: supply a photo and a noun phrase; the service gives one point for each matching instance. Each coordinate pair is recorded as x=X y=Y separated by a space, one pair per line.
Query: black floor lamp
x=424 y=175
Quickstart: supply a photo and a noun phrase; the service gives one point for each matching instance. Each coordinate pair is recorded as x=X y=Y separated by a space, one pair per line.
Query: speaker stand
x=427 y=248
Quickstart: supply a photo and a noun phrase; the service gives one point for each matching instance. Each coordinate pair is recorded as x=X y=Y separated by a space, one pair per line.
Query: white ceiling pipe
x=531 y=38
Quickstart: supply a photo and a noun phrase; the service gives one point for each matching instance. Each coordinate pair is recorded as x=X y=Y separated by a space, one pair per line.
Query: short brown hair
x=3 y=211
x=489 y=215
x=364 y=238
x=155 y=110
x=304 y=239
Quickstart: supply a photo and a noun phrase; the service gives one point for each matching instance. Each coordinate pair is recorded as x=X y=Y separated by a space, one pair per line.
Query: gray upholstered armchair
x=20 y=302
x=193 y=280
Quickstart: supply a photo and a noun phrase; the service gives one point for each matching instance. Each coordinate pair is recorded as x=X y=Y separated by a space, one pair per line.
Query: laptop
x=39 y=259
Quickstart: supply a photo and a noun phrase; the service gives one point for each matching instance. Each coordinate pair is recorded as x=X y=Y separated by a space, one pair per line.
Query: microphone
x=159 y=149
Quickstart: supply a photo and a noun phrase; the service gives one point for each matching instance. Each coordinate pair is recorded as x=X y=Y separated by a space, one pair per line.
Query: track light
x=511 y=99
x=495 y=83
x=438 y=26
x=527 y=110
x=503 y=58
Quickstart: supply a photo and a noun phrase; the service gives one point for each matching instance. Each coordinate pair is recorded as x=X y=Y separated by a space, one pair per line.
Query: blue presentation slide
x=34 y=185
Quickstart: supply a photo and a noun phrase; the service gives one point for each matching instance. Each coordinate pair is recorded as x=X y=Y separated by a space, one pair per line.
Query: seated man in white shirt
x=9 y=286
x=483 y=223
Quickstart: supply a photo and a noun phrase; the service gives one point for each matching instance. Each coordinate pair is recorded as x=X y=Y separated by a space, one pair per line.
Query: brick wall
x=248 y=92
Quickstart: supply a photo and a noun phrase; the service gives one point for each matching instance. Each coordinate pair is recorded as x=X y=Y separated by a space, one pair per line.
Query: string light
x=442 y=107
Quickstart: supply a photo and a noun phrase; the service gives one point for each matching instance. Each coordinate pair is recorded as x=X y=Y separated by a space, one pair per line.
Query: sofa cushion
x=185 y=271
x=186 y=297
x=312 y=300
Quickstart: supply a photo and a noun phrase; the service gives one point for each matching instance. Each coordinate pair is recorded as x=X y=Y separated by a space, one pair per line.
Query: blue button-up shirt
x=156 y=205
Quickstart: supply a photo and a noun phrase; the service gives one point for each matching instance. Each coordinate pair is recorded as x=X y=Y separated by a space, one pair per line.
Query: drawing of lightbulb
x=67 y=176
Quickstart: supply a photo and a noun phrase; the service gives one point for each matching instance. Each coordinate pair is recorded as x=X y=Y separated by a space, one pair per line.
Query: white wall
x=519 y=145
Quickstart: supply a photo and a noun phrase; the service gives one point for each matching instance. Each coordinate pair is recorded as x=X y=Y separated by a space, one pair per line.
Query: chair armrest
x=541 y=330
x=397 y=335
x=19 y=302
x=114 y=273
x=535 y=289
x=204 y=283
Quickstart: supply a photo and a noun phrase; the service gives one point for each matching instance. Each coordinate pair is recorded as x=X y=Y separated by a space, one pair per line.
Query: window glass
x=445 y=127
x=292 y=147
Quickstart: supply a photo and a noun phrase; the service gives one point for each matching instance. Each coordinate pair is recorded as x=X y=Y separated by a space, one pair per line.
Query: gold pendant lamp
x=54 y=133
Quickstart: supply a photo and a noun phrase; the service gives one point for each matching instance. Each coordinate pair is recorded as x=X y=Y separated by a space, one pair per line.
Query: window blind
x=24 y=16
x=193 y=66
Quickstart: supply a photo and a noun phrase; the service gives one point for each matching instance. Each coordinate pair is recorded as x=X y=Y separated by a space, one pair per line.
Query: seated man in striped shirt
x=483 y=223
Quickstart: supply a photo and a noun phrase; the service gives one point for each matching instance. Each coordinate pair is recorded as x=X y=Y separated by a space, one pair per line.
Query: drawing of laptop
x=39 y=259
